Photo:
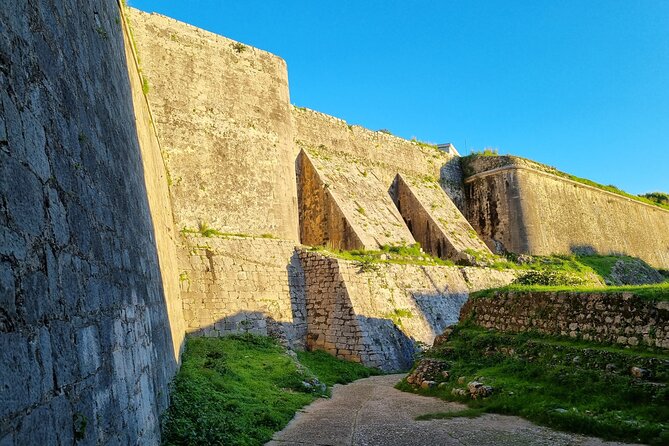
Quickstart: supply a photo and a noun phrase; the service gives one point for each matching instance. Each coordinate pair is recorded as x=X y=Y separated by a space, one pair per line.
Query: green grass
x=239 y=390
x=542 y=381
x=398 y=254
x=464 y=413
x=331 y=371
x=659 y=292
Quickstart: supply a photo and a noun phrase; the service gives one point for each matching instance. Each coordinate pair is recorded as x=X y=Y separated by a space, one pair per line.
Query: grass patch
x=239 y=390
x=659 y=292
x=558 y=383
x=464 y=413
x=331 y=370
x=368 y=260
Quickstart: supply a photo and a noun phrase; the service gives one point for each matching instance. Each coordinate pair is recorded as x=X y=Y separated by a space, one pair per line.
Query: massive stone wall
x=358 y=167
x=224 y=119
x=376 y=315
x=345 y=208
x=235 y=284
x=613 y=317
x=519 y=208
x=85 y=341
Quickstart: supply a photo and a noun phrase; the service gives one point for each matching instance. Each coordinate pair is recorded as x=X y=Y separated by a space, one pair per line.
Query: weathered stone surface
x=223 y=115
x=434 y=220
x=428 y=370
x=515 y=205
x=243 y=284
x=79 y=251
x=616 y=317
x=357 y=167
x=377 y=317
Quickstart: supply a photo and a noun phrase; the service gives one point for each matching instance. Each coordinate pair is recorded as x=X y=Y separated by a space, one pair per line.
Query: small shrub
x=239 y=47
x=386 y=131
x=145 y=85
x=548 y=278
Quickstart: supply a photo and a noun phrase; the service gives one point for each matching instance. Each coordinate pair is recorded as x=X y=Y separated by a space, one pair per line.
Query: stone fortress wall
x=223 y=115
x=90 y=316
x=519 y=206
x=108 y=193
x=377 y=316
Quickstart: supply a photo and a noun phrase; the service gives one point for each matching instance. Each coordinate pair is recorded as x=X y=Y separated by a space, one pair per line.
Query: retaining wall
x=614 y=317
x=378 y=315
x=236 y=285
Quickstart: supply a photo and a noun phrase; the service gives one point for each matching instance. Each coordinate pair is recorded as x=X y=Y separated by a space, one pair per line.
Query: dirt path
x=371 y=412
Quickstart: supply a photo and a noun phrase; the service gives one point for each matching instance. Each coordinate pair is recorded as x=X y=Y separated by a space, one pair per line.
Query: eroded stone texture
x=85 y=341
x=223 y=115
x=377 y=316
x=358 y=166
x=322 y=222
x=621 y=318
x=519 y=206
x=434 y=220
x=237 y=285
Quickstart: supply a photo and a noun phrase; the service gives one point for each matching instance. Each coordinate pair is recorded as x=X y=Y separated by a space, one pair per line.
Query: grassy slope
x=239 y=390
x=659 y=292
x=545 y=384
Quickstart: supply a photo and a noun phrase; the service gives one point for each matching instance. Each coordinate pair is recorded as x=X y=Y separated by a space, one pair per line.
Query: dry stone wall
x=377 y=315
x=610 y=317
x=236 y=285
x=85 y=341
x=223 y=115
x=517 y=207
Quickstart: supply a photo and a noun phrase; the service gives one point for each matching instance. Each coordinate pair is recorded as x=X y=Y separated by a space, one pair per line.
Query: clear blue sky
x=580 y=85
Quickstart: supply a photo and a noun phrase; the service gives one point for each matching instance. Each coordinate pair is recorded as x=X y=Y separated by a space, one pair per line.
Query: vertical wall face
x=518 y=207
x=236 y=285
x=495 y=211
x=85 y=342
x=376 y=317
x=223 y=115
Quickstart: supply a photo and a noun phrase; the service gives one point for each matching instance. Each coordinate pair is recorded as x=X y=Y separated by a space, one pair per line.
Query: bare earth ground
x=371 y=412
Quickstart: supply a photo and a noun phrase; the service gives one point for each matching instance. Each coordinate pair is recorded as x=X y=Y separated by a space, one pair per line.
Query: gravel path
x=371 y=412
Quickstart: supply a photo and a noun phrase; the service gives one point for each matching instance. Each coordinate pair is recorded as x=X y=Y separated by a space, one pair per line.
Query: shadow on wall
x=385 y=346
x=85 y=339
x=440 y=309
x=589 y=250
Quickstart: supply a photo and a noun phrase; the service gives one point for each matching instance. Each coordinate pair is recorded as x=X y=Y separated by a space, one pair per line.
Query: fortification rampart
x=376 y=315
x=619 y=317
x=89 y=324
x=97 y=289
x=223 y=114
x=519 y=208
x=240 y=284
